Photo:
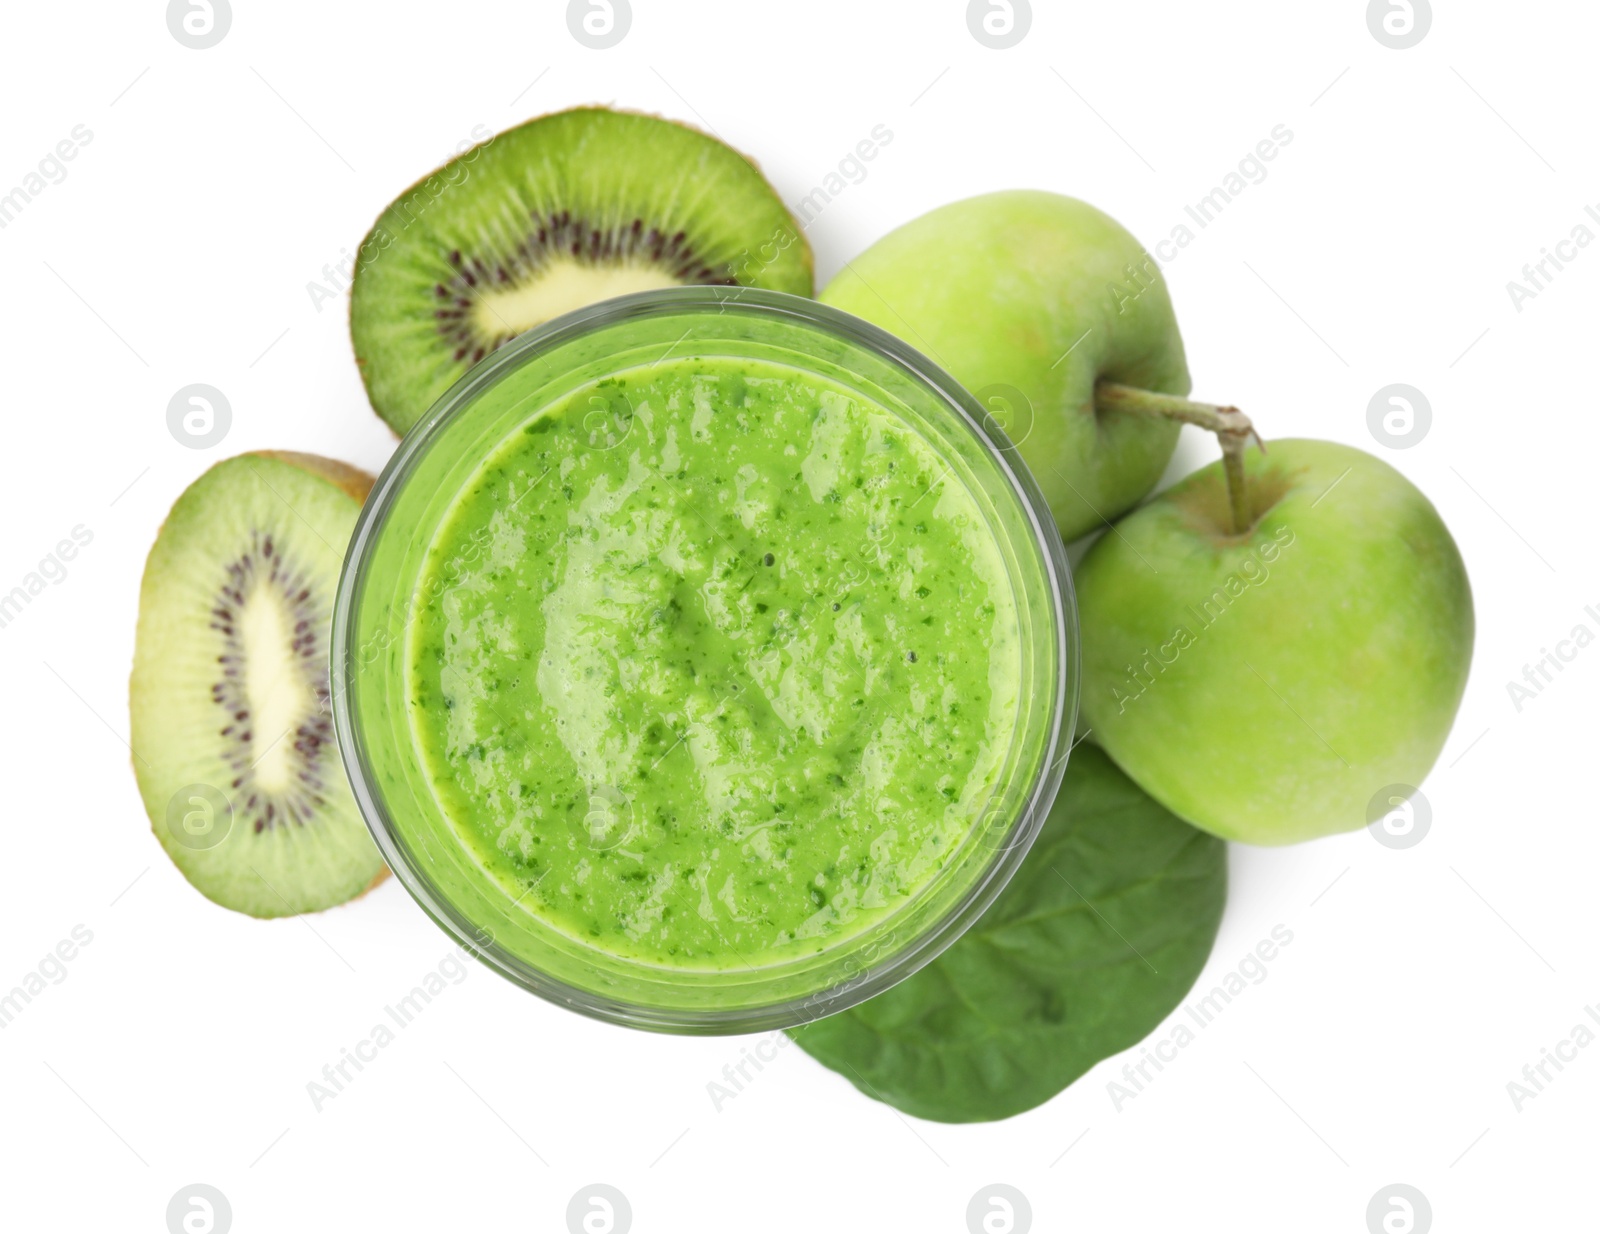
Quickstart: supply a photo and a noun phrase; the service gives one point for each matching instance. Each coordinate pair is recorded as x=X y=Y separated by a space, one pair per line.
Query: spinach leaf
x=1091 y=945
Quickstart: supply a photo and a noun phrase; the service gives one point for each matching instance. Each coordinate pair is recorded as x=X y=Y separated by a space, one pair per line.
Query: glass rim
x=880 y=974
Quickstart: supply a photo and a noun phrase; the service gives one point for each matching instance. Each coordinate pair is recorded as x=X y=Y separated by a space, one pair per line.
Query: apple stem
x=1232 y=427
x=1233 y=467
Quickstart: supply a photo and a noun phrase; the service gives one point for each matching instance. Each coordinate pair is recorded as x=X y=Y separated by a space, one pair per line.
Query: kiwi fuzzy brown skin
x=418 y=327
x=315 y=844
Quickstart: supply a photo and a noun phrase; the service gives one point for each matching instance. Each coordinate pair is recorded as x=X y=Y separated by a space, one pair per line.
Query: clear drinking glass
x=373 y=611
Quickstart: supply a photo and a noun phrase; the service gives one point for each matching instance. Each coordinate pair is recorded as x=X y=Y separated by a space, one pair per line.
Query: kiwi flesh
x=232 y=732
x=545 y=218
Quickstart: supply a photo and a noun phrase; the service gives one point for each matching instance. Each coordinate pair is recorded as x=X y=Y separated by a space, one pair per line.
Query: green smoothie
x=713 y=663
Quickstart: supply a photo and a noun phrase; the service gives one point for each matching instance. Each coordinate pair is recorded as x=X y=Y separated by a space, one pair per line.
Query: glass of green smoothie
x=705 y=660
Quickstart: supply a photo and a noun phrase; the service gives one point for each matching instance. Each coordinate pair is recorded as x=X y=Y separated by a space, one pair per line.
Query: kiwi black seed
x=551 y=240
x=232 y=731
x=548 y=217
x=267 y=564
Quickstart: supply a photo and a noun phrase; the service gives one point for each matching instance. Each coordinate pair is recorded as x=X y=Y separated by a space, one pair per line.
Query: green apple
x=1030 y=299
x=1268 y=684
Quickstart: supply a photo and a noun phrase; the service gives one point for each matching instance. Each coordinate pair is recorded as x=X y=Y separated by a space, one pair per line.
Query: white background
x=179 y=248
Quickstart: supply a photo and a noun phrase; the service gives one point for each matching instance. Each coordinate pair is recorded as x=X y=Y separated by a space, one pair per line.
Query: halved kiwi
x=545 y=218
x=232 y=731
